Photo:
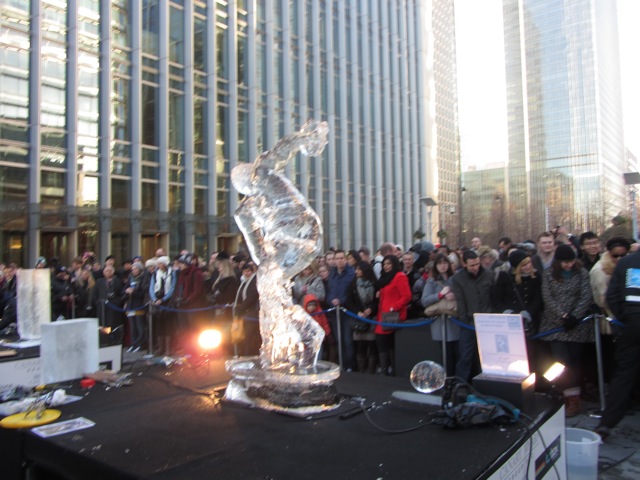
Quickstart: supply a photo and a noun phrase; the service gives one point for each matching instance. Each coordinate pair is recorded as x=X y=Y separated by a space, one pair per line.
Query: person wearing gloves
x=394 y=295
x=161 y=286
x=566 y=293
x=519 y=290
x=135 y=309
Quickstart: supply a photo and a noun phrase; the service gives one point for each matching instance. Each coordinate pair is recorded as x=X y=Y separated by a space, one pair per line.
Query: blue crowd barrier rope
x=123 y=310
x=427 y=321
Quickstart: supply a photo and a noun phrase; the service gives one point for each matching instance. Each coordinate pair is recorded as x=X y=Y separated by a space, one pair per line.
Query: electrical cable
x=365 y=410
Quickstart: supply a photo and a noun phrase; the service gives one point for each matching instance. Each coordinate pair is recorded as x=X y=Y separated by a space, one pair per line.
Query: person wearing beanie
x=566 y=293
x=150 y=265
x=519 y=290
x=516 y=257
x=41 y=262
x=622 y=298
x=164 y=260
x=565 y=253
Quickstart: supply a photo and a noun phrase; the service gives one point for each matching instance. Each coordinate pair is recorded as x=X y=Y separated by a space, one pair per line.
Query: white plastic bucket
x=582 y=453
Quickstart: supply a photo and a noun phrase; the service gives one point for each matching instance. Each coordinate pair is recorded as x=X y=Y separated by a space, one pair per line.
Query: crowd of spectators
x=553 y=282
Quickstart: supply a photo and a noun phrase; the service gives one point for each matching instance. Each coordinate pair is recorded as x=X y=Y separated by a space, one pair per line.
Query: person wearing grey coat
x=566 y=293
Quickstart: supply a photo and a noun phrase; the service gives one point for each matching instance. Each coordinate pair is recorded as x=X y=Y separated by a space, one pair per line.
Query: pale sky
x=481 y=82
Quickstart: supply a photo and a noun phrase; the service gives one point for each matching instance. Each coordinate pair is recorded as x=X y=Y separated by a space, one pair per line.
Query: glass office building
x=121 y=120
x=566 y=147
x=446 y=117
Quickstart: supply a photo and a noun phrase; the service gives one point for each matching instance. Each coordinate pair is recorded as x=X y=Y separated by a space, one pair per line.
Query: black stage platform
x=160 y=429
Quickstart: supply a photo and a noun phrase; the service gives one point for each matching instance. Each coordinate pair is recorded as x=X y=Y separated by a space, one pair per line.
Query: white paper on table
x=502 y=345
x=63 y=427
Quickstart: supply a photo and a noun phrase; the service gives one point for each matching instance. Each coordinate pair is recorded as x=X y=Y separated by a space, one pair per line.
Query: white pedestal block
x=33 y=302
x=69 y=349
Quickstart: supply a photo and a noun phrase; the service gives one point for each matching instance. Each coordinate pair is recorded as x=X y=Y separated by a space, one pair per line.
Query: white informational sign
x=502 y=345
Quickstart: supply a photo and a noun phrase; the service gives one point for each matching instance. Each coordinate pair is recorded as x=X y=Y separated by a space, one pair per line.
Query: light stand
x=632 y=179
x=429 y=202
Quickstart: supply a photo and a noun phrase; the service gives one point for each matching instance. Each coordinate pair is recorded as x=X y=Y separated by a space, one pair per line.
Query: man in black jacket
x=472 y=288
x=623 y=298
x=107 y=297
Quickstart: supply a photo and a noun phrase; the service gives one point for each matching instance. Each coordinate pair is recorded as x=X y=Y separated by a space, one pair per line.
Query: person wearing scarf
x=566 y=292
x=136 y=291
x=161 y=287
x=394 y=295
x=247 y=307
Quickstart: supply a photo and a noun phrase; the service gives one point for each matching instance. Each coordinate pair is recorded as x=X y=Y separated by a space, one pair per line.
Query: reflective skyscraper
x=121 y=120
x=566 y=151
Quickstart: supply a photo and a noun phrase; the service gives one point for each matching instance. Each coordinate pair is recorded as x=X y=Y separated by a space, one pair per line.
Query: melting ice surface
x=283 y=234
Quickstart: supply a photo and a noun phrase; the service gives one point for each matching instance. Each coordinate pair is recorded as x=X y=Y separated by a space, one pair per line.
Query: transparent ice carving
x=283 y=234
x=427 y=376
x=33 y=302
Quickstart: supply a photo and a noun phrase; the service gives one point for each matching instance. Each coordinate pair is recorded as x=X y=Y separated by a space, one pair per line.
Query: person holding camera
x=135 y=307
x=108 y=290
x=188 y=299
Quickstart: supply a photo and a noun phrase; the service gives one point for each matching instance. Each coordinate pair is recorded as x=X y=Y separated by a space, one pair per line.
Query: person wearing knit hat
x=565 y=253
x=516 y=256
x=566 y=292
x=185 y=258
x=164 y=260
x=41 y=262
x=488 y=257
x=151 y=265
x=138 y=265
x=519 y=290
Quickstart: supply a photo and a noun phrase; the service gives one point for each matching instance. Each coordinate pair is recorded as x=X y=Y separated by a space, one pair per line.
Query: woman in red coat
x=394 y=295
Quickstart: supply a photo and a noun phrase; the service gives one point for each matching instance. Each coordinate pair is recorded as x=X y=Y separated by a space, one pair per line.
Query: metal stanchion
x=339 y=324
x=598 y=339
x=150 y=320
x=101 y=321
x=443 y=327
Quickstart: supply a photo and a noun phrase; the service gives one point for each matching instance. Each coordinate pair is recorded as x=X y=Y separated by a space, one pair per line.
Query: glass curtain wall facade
x=566 y=145
x=121 y=120
x=446 y=115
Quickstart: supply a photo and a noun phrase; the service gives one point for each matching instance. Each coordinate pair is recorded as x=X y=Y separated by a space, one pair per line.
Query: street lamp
x=429 y=202
x=633 y=178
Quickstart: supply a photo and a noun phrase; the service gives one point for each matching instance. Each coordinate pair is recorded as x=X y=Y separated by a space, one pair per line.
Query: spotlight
x=554 y=371
x=209 y=339
x=110 y=336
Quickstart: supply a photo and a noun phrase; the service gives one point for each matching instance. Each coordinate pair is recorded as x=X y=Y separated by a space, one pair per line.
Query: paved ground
x=619 y=456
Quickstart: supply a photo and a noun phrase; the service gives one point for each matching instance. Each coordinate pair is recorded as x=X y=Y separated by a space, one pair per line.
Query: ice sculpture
x=283 y=234
x=33 y=302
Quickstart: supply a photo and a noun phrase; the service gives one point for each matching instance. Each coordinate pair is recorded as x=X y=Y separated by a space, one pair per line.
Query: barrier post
x=150 y=329
x=102 y=312
x=339 y=335
x=443 y=327
x=598 y=340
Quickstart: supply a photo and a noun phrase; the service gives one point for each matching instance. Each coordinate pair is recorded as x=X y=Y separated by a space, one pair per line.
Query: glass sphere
x=427 y=376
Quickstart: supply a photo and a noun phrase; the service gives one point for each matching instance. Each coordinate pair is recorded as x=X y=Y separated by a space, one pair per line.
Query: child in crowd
x=312 y=305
